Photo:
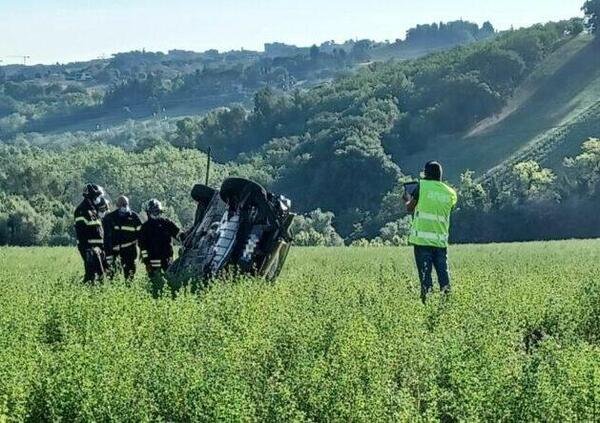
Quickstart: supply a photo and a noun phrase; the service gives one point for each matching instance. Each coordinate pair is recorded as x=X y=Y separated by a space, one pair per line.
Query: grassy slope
x=341 y=336
x=564 y=91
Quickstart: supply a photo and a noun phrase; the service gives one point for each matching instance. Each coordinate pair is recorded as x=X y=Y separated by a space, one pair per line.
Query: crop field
x=341 y=336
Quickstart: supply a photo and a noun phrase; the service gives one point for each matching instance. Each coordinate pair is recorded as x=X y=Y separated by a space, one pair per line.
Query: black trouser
x=427 y=258
x=93 y=263
x=156 y=269
x=128 y=257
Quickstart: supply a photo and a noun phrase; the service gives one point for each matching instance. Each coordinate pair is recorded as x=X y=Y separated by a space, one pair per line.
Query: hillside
x=141 y=85
x=508 y=107
x=549 y=115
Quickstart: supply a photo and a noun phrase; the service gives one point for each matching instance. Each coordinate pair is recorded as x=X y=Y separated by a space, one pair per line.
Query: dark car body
x=241 y=227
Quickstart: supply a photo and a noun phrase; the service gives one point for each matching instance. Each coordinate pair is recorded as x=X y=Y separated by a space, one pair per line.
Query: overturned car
x=241 y=227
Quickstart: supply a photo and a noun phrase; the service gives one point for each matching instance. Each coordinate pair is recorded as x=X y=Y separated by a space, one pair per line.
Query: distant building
x=273 y=50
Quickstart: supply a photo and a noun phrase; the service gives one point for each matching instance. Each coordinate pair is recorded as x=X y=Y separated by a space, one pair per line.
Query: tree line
x=333 y=149
x=40 y=188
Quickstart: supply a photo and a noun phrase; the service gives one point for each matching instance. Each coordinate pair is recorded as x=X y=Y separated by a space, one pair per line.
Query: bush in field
x=315 y=229
x=396 y=233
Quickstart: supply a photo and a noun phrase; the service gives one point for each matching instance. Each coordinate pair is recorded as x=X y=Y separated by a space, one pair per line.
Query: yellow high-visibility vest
x=431 y=222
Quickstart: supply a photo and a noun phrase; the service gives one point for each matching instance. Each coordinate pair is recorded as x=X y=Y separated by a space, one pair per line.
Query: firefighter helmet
x=92 y=191
x=154 y=207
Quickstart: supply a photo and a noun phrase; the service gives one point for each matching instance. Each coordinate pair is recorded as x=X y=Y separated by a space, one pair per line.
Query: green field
x=341 y=336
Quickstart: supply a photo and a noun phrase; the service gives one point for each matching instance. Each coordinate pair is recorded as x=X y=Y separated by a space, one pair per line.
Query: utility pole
x=24 y=57
x=208 y=154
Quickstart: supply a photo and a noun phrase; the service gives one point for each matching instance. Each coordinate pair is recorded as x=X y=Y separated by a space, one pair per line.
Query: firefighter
x=122 y=229
x=103 y=208
x=431 y=205
x=89 y=231
x=156 y=243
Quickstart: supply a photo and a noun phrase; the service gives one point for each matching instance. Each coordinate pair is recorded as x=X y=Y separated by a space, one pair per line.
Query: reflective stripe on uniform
x=431 y=216
x=144 y=253
x=155 y=263
x=430 y=236
x=123 y=246
x=95 y=241
x=127 y=228
x=88 y=222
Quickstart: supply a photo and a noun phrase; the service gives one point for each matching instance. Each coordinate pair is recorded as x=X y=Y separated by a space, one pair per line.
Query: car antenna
x=208 y=164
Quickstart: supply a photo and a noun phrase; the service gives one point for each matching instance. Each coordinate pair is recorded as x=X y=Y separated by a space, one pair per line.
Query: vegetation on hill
x=141 y=84
x=532 y=202
x=592 y=12
x=39 y=189
x=335 y=147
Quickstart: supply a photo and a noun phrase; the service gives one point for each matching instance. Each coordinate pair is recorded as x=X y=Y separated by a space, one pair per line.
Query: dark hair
x=433 y=171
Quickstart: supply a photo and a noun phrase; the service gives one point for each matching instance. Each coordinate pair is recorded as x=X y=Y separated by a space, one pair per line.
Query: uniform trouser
x=92 y=263
x=156 y=269
x=428 y=258
x=128 y=257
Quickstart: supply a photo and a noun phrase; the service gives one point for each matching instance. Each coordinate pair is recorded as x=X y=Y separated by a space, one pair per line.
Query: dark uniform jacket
x=156 y=238
x=88 y=226
x=122 y=231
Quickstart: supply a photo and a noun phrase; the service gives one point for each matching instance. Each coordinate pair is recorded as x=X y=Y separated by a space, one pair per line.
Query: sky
x=50 y=31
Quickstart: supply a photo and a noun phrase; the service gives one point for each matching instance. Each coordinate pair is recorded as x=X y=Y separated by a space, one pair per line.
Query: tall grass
x=341 y=336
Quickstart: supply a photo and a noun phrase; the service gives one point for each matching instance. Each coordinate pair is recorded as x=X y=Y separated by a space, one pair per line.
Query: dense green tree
x=591 y=8
x=472 y=194
x=314 y=52
x=576 y=26
x=585 y=167
x=497 y=67
x=21 y=224
x=316 y=229
x=532 y=182
x=396 y=232
x=187 y=131
x=360 y=50
x=224 y=132
x=487 y=29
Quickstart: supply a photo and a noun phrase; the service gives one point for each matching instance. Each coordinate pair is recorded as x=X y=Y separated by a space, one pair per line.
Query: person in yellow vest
x=431 y=204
